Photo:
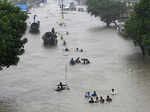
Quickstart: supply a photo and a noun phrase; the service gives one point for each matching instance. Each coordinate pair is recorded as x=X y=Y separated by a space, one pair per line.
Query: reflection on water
x=7 y=105
x=100 y=28
x=49 y=46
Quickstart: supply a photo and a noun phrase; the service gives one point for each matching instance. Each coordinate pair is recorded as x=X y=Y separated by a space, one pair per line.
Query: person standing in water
x=94 y=94
x=34 y=17
x=113 y=91
x=108 y=99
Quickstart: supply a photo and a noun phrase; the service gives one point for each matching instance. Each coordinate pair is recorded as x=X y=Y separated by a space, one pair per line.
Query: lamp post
x=66 y=54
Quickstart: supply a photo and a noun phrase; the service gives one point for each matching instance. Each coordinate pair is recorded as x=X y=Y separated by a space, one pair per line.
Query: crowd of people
x=78 y=61
x=61 y=23
x=79 y=49
x=95 y=98
x=76 y=49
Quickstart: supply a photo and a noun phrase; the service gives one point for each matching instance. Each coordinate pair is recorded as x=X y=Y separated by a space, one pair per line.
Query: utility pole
x=62 y=9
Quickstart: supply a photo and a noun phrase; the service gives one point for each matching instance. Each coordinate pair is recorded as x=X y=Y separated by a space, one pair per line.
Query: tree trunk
x=143 y=50
x=108 y=24
x=135 y=43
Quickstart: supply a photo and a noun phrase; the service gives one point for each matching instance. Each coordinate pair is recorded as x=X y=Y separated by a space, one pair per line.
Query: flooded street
x=115 y=63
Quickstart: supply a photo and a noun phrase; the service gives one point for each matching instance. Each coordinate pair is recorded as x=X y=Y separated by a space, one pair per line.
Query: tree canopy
x=138 y=25
x=107 y=10
x=12 y=28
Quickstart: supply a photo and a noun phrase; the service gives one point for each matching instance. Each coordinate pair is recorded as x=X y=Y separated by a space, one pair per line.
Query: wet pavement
x=115 y=63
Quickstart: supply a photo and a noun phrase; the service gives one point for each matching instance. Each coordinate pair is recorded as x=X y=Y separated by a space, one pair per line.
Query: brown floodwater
x=115 y=63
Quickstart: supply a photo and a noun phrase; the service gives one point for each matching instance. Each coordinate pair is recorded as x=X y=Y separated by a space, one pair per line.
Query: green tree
x=107 y=10
x=12 y=28
x=138 y=26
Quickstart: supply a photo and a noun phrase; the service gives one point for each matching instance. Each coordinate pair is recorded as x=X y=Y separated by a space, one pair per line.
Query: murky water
x=115 y=63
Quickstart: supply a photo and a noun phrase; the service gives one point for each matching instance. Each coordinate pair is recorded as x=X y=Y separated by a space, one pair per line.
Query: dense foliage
x=107 y=10
x=138 y=26
x=12 y=28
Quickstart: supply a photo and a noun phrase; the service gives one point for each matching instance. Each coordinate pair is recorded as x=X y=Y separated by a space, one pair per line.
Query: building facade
x=29 y=3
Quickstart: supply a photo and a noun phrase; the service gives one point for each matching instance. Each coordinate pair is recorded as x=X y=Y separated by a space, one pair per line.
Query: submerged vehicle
x=35 y=27
x=50 y=38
